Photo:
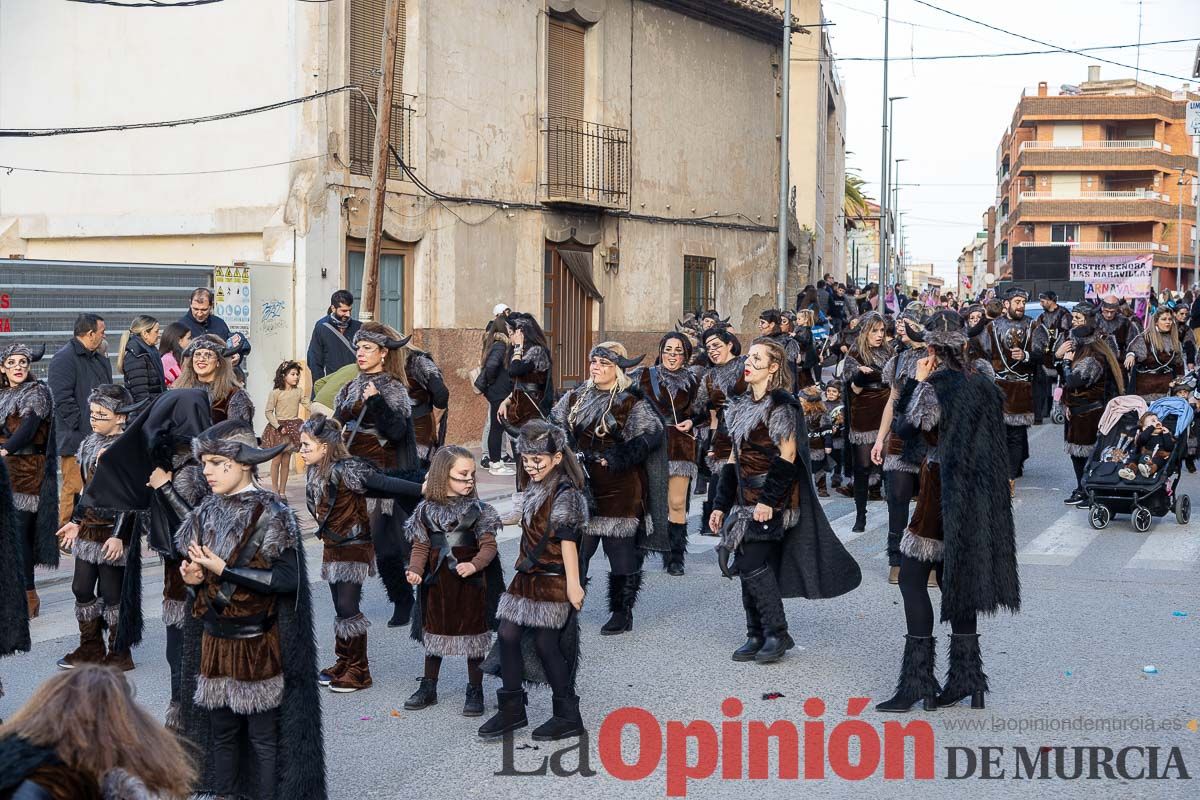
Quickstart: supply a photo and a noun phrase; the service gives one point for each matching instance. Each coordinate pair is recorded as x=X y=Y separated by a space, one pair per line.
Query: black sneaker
x=506 y=458
x=485 y=462
x=1075 y=499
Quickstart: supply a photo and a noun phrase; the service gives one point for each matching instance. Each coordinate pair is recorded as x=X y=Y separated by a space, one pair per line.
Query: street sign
x=1193 y=118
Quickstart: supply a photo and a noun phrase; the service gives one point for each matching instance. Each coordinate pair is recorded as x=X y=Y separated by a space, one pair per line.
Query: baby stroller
x=1142 y=498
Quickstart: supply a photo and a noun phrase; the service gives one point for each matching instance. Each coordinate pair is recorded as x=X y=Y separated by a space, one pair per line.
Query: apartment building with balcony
x=605 y=164
x=1105 y=166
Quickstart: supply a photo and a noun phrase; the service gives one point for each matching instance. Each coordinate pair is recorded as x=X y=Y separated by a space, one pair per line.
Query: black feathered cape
x=14 y=611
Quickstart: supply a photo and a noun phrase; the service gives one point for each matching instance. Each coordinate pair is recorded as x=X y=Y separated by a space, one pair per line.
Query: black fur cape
x=301 y=761
x=46 y=544
x=14 y=611
x=980 y=557
x=814 y=564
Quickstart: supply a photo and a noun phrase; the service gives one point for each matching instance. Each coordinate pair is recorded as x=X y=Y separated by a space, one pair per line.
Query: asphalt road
x=1067 y=672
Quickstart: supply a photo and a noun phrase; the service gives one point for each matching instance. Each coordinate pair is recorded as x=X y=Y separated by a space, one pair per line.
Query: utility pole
x=785 y=112
x=369 y=297
x=1179 y=234
x=883 y=161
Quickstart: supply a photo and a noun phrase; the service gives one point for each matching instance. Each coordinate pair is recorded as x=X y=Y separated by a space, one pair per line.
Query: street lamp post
x=886 y=212
x=898 y=249
x=883 y=146
x=1179 y=234
x=785 y=114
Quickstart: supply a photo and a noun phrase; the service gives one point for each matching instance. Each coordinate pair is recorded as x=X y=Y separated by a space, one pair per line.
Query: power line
x=12 y=133
x=150 y=4
x=1039 y=41
x=956 y=56
x=13 y=168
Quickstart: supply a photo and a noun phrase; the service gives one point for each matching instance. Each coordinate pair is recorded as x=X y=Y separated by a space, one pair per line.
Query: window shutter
x=564 y=60
x=365 y=37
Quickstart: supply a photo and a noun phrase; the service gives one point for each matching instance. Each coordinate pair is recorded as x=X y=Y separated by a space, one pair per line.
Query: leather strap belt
x=754 y=481
x=528 y=388
x=30 y=450
x=238 y=628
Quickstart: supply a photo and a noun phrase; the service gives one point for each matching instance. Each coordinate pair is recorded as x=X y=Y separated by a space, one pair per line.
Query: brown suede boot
x=91 y=637
x=351 y=636
x=329 y=674
x=33 y=602
x=822 y=491
x=121 y=659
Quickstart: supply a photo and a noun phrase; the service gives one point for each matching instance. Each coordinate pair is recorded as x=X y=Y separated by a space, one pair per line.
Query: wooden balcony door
x=567 y=314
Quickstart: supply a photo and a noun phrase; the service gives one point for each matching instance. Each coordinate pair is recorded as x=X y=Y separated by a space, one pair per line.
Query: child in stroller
x=1151 y=449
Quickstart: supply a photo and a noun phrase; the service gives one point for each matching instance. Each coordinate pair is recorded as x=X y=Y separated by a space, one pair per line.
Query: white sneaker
x=501 y=469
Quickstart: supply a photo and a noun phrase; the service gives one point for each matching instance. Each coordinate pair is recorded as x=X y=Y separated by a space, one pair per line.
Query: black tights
x=90 y=576
x=346 y=597
x=433 y=667
x=495 y=431
x=918 y=610
x=545 y=640
x=27 y=525
x=754 y=555
x=624 y=558
x=262 y=733
x=862 y=472
x=1079 y=462
x=901 y=486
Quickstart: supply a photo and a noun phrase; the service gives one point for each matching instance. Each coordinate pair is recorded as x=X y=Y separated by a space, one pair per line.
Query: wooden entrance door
x=567 y=316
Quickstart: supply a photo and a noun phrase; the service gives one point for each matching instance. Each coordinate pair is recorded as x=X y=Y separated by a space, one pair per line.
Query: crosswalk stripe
x=843 y=524
x=1061 y=543
x=1168 y=549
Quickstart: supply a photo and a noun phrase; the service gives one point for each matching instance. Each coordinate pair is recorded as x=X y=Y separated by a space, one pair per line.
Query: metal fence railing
x=585 y=163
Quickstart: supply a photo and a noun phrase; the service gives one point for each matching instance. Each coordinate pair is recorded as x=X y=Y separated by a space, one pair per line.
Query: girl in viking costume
x=376 y=415
x=615 y=430
x=723 y=380
x=82 y=736
x=206 y=365
x=28 y=447
x=426 y=391
x=101 y=540
x=962 y=527
x=767 y=511
x=454 y=566
x=538 y=634
x=1157 y=356
x=532 y=397
x=901 y=460
x=337 y=489
x=866 y=400
x=250 y=671
x=1091 y=376
x=672 y=388
x=820 y=444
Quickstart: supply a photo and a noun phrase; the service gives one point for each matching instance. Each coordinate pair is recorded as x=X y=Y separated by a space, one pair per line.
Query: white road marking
x=1170 y=548
x=1062 y=541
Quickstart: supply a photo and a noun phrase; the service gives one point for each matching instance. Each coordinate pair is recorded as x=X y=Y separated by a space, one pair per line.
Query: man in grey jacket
x=78 y=368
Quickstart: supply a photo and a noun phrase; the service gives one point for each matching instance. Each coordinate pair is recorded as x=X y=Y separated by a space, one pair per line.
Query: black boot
x=916 y=683
x=565 y=723
x=473 y=707
x=764 y=589
x=402 y=609
x=754 y=631
x=965 y=677
x=860 y=504
x=622 y=596
x=893 y=548
x=706 y=509
x=677 y=535
x=424 y=696
x=509 y=716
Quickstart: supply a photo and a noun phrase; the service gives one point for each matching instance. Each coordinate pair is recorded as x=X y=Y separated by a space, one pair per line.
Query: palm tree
x=855 y=205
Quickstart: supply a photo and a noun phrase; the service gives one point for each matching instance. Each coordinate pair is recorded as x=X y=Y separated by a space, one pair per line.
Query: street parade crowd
x=922 y=404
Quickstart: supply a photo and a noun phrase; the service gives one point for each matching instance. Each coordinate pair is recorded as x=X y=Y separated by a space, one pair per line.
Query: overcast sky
x=958 y=109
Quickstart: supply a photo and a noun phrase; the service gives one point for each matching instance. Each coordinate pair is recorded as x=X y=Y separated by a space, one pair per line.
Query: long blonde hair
x=224 y=382
x=778 y=378
x=89 y=718
x=623 y=383
x=862 y=345
x=141 y=323
x=393 y=360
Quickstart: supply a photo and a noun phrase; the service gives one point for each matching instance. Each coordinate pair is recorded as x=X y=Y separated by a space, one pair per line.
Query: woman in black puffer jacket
x=494 y=383
x=139 y=361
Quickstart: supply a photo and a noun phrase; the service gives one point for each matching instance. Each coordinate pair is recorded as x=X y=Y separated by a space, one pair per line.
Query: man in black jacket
x=330 y=347
x=201 y=321
x=78 y=368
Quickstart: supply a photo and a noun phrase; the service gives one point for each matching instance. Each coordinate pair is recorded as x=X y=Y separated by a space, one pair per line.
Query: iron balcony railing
x=586 y=163
x=362 y=133
x=1103 y=247
x=1136 y=194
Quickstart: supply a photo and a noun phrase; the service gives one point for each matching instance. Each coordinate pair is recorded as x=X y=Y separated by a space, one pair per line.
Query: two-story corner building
x=605 y=164
x=1106 y=167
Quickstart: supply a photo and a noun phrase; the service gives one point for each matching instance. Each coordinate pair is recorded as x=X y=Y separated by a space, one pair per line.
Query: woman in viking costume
x=337 y=488
x=901 y=460
x=962 y=527
x=427 y=391
x=1155 y=356
x=376 y=415
x=617 y=433
x=250 y=696
x=101 y=540
x=723 y=380
x=538 y=634
x=28 y=448
x=459 y=580
x=206 y=365
x=530 y=368
x=767 y=511
x=1091 y=376
x=672 y=388
x=866 y=400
